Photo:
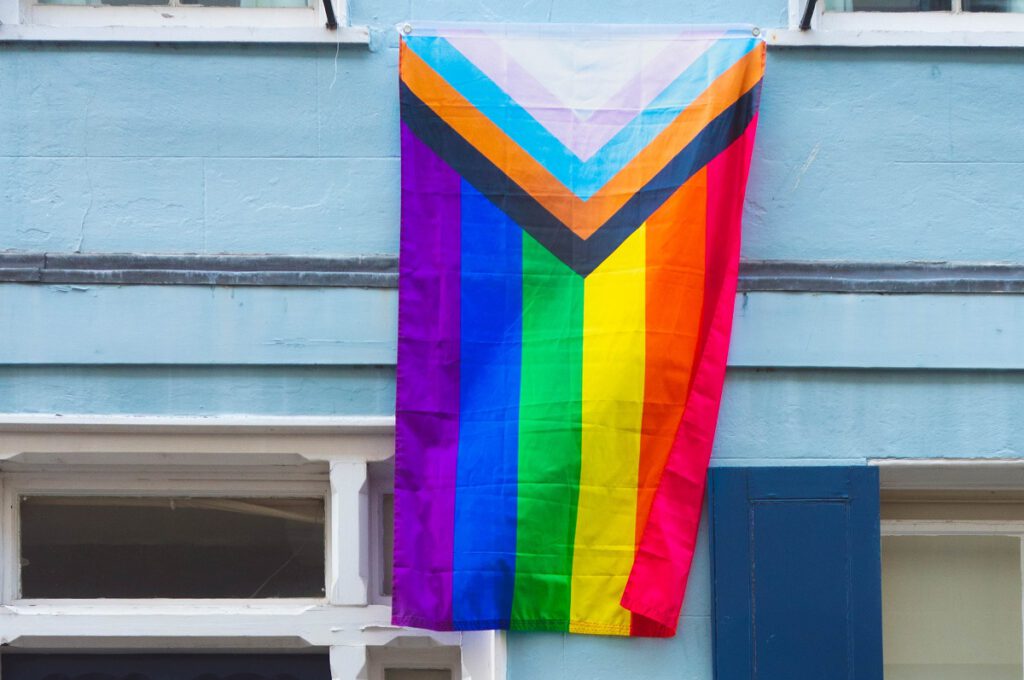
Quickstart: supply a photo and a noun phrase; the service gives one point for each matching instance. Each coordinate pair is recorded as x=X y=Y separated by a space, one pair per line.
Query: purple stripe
x=427 y=410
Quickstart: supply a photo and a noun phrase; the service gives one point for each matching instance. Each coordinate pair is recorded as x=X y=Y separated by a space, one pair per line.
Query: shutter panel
x=796 y=573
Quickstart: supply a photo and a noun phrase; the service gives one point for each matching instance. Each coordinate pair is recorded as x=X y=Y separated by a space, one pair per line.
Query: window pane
x=951 y=607
x=109 y=3
x=187 y=3
x=888 y=5
x=993 y=5
x=246 y=3
x=417 y=674
x=114 y=547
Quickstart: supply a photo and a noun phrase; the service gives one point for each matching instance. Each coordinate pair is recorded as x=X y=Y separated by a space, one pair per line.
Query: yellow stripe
x=613 y=401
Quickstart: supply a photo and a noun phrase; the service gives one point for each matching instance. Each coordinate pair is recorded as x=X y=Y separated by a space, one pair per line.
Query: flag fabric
x=571 y=202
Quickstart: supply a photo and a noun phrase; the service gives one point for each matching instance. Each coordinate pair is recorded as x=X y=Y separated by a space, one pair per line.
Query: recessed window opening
x=417 y=674
x=952 y=585
x=171 y=547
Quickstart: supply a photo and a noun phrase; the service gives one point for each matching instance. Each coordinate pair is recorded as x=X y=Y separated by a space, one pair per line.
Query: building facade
x=198 y=232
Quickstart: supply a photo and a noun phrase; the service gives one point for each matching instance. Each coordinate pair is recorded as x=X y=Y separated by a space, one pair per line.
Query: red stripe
x=657 y=583
x=674 y=297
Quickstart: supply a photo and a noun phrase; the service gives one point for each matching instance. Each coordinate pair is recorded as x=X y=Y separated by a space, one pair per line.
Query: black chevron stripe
x=581 y=255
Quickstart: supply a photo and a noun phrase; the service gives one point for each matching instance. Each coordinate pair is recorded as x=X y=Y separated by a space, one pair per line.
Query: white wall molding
x=265 y=440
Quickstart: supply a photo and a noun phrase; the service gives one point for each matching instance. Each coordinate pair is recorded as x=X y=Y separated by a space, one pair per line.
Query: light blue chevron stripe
x=584 y=178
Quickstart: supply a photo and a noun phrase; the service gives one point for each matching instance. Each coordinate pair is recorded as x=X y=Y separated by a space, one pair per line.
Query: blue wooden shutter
x=796 y=573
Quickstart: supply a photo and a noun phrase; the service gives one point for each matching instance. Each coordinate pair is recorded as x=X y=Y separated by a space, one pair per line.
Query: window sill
x=344 y=35
x=879 y=38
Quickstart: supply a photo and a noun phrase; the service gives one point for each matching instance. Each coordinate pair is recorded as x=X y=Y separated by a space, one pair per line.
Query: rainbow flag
x=571 y=202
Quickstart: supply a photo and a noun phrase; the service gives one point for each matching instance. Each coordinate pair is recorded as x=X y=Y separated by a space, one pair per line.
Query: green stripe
x=550 y=413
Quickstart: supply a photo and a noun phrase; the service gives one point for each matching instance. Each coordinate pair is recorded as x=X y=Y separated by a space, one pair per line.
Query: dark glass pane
x=889 y=5
x=128 y=3
x=109 y=3
x=112 y=547
x=213 y=3
x=993 y=5
x=417 y=674
x=166 y=667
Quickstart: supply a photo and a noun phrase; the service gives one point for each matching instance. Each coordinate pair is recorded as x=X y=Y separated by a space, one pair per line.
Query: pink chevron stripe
x=582 y=132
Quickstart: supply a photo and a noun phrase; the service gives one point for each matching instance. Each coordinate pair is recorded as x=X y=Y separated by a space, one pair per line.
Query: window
x=174 y=533
x=170 y=547
x=866 y=23
x=430 y=664
x=155 y=666
x=171 y=536
x=288 y=21
x=951 y=585
x=924 y=6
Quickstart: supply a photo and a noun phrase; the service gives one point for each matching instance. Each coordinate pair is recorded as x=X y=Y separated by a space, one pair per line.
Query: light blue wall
x=874 y=155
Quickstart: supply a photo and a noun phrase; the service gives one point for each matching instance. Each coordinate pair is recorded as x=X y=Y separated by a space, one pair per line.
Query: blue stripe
x=486 y=475
x=584 y=178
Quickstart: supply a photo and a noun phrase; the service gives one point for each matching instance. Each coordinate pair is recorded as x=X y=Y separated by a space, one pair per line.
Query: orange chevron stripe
x=488 y=138
x=582 y=217
x=730 y=86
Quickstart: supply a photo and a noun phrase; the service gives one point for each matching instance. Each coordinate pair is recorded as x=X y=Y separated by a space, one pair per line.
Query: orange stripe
x=582 y=217
x=674 y=300
x=489 y=139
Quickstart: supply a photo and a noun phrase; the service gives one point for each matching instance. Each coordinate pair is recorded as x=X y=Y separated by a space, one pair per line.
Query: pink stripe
x=657 y=583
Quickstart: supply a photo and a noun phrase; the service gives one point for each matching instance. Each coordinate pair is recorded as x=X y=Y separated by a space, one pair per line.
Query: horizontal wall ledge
x=880 y=277
x=382 y=272
x=199 y=270
x=257 y=440
x=82 y=324
x=941 y=331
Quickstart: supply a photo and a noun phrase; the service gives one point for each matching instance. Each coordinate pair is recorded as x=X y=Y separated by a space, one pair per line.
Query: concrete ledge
x=382 y=272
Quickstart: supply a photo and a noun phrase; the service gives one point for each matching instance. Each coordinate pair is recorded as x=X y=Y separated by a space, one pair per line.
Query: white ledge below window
x=880 y=38
x=345 y=35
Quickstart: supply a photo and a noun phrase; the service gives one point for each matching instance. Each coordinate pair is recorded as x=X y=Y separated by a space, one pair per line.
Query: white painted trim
x=213 y=440
x=348 y=528
x=899 y=29
x=163 y=16
x=944 y=527
x=348 y=662
x=484 y=655
x=25 y=20
x=20 y=422
x=344 y=35
x=950 y=473
x=381 y=482
x=318 y=626
x=883 y=38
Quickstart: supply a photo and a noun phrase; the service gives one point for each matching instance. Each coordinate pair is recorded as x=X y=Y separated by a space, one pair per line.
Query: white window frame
x=226 y=456
x=952 y=474
x=27 y=20
x=140 y=483
x=900 y=29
